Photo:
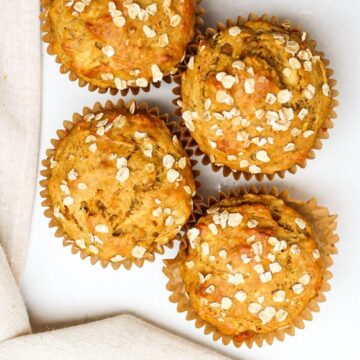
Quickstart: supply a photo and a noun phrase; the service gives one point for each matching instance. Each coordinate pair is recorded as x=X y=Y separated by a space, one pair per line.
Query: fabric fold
x=119 y=337
x=14 y=319
x=20 y=109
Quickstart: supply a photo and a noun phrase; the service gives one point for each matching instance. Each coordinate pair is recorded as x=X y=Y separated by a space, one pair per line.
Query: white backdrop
x=58 y=287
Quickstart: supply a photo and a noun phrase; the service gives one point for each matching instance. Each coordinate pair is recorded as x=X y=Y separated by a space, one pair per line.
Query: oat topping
x=117 y=258
x=172 y=175
x=93 y=249
x=100 y=194
x=156 y=73
x=246 y=273
x=279 y=296
x=72 y=174
x=240 y=296
x=120 y=84
x=175 y=20
x=226 y=303
x=300 y=223
x=101 y=228
x=287 y=72
x=116 y=15
x=294 y=63
x=191 y=63
x=234 y=219
x=68 y=201
x=265 y=277
x=134 y=16
x=254 y=308
x=168 y=161
x=303 y=113
x=249 y=86
x=227 y=81
x=239 y=65
x=289 y=147
x=79 y=6
x=141 y=82
x=169 y=221
x=244 y=163
x=275 y=267
x=138 y=251
x=262 y=156
x=281 y=315
x=163 y=40
x=236 y=279
x=309 y=92
x=80 y=243
x=308 y=133
x=234 y=31
x=205 y=248
x=308 y=65
x=305 y=279
x=326 y=89
x=254 y=169
x=193 y=234
x=224 y=98
x=81 y=186
x=316 y=254
x=270 y=98
x=284 y=96
x=108 y=51
x=267 y=314
x=188 y=118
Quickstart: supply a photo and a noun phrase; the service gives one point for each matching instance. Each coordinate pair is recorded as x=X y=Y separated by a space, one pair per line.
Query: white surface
x=59 y=287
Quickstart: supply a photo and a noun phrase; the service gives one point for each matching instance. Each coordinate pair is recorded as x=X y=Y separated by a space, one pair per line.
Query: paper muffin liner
x=64 y=69
x=46 y=173
x=323 y=131
x=324 y=226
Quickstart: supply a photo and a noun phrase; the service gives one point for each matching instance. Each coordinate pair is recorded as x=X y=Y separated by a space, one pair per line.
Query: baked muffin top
x=121 y=44
x=255 y=96
x=251 y=265
x=120 y=184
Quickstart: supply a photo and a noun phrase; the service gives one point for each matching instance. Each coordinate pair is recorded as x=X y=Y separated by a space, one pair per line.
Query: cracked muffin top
x=120 y=44
x=120 y=184
x=255 y=97
x=251 y=265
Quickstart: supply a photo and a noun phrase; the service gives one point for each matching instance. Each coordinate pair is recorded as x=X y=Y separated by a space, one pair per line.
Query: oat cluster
x=121 y=44
x=255 y=97
x=252 y=265
x=120 y=184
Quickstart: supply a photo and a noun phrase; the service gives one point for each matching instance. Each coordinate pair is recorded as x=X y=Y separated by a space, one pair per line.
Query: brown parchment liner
x=322 y=133
x=68 y=125
x=324 y=226
x=64 y=69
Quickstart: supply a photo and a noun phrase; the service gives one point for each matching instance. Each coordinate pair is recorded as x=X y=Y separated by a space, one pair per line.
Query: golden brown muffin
x=255 y=97
x=251 y=266
x=120 y=44
x=120 y=185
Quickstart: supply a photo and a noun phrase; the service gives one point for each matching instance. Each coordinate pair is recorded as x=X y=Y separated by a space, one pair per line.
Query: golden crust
x=120 y=44
x=255 y=97
x=120 y=185
x=251 y=265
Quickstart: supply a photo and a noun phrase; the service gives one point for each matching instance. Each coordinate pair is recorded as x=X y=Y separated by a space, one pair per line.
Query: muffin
x=118 y=184
x=251 y=266
x=256 y=97
x=119 y=44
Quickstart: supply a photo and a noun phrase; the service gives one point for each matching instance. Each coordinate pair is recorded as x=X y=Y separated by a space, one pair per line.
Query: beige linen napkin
x=120 y=337
x=20 y=97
